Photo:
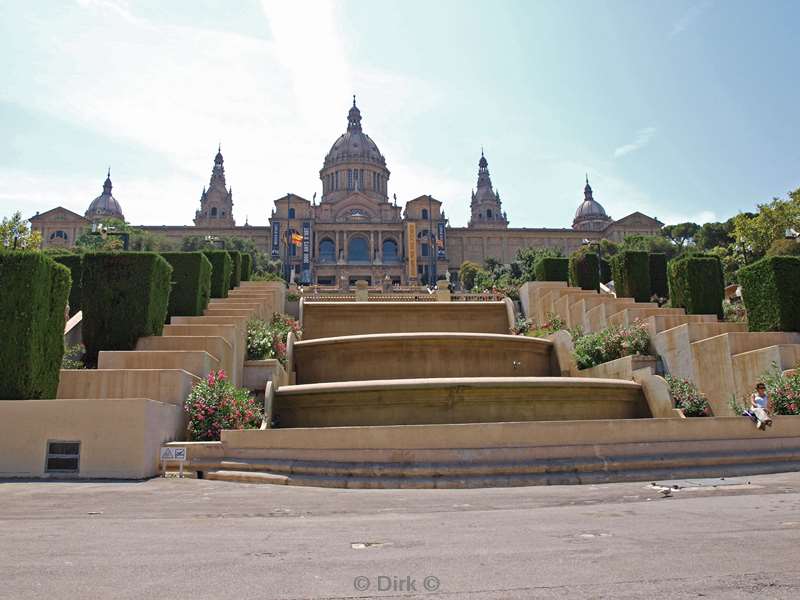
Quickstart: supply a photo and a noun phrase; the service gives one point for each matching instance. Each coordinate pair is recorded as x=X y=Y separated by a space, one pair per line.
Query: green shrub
x=267 y=276
x=191 y=283
x=236 y=269
x=696 y=284
x=584 y=270
x=631 y=273
x=550 y=268
x=605 y=271
x=687 y=397
x=658 y=275
x=247 y=266
x=126 y=297
x=222 y=265
x=771 y=293
x=74 y=263
x=611 y=343
x=32 y=305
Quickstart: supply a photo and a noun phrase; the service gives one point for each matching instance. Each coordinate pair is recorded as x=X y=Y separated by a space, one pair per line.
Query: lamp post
x=287 y=266
x=432 y=243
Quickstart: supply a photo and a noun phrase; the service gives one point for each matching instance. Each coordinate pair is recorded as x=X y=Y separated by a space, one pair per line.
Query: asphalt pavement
x=187 y=538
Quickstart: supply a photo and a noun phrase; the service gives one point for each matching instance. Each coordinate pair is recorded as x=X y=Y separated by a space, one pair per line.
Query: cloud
x=689 y=17
x=643 y=137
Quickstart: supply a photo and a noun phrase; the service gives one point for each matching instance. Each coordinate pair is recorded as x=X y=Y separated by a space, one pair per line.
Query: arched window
x=327 y=250
x=214 y=211
x=358 y=250
x=291 y=213
x=424 y=213
x=488 y=213
x=60 y=235
x=390 y=251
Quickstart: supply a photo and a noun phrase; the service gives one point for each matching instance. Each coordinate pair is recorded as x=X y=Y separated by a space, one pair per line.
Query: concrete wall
x=171 y=386
x=258 y=372
x=335 y=319
x=120 y=438
x=409 y=356
x=409 y=402
x=216 y=346
x=621 y=368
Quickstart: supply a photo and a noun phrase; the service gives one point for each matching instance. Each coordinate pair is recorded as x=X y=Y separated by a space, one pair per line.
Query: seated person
x=759 y=407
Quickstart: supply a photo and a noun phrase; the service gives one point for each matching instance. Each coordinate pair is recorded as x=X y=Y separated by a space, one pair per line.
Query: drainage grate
x=63 y=457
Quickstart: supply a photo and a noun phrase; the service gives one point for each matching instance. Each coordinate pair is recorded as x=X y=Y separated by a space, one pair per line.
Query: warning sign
x=173 y=454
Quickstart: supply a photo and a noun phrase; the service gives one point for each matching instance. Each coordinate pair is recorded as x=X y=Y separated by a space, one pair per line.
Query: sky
x=680 y=110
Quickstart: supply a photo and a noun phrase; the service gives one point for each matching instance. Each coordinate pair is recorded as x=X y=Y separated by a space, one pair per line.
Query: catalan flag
x=297 y=239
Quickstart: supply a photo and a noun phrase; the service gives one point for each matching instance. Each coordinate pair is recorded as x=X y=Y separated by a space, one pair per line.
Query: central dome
x=354 y=145
x=105 y=205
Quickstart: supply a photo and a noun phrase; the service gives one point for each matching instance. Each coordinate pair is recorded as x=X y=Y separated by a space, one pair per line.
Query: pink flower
x=220 y=375
x=211 y=379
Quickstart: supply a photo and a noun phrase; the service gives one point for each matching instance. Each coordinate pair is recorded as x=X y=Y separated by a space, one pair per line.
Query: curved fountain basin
x=421 y=355
x=334 y=319
x=457 y=400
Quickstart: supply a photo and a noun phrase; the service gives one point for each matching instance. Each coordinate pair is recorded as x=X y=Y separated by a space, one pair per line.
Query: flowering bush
x=268 y=340
x=525 y=326
x=611 y=343
x=215 y=404
x=687 y=397
x=73 y=357
x=783 y=391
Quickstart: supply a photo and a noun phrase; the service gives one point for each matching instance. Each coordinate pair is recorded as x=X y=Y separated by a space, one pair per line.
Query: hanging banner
x=440 y=242
x=411 y=248
x=276 y=240
x=306 y=252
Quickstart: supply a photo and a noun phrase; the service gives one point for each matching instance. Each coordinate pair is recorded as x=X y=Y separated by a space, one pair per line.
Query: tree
x=712 y=235
x=15 y=233
x=467 y=273
x=784 y=247
x=681 y=234
x=757 y=233
x=649 y=243
x=492 y=264
x=527 y=257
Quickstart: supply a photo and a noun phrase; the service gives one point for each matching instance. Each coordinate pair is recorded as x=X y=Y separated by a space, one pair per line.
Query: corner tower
x=216 y=204
x=485 y=206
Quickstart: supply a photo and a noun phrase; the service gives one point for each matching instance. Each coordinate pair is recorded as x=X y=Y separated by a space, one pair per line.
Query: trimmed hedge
x=696 y=283
x=658 y=275
x=247 y=266
x=74 y=262
x=771 y=293
x=191 y=283
x=236 y=271
x=584 y=270
x=32 y=305
x=126 y=297
x=605 y=271
x=631 y=274
x=222 y=265
x=550 y=268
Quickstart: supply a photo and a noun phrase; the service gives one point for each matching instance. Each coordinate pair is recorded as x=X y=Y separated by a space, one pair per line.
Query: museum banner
x=306 y=252
x=441 y=242
x=411 y=252
x=276 y=240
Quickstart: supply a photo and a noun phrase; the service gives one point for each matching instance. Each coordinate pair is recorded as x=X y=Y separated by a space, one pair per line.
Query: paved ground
x=170 y=538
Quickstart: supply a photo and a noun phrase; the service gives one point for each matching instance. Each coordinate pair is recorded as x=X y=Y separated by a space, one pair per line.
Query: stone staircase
x=723 y=359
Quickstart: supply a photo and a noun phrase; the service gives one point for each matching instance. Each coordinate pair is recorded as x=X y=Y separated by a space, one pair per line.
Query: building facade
x=357 y=230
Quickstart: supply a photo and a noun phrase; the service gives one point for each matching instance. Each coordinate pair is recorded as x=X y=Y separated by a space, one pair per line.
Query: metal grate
x=63 y=457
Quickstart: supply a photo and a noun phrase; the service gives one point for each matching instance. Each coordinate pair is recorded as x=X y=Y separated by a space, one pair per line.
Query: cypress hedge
x=247 y=266
x=222 y=265
x=658 y=275
x=584 y=270
x=631 y=274
x=126 y=297
x=550 y=268
x=191 y=283
x=696 y=283
x=771 y=293
x=236 y=270
x=605 y=271
x=74 y=262
x=32 y=305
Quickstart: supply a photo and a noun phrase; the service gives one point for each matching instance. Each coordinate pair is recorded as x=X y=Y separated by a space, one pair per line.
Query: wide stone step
x=165 y=385
x=749 y=367
x=196 y=362
x=627 y=316
x=660 y=322
x=216 y=346
x=601 y=469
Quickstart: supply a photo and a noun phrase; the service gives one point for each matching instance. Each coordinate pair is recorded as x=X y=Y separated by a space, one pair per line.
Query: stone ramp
x=337 y=319
x=421 y=355
x=456 y=400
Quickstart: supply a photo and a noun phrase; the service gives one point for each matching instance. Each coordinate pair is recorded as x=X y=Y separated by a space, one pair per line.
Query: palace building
x=357 y=230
